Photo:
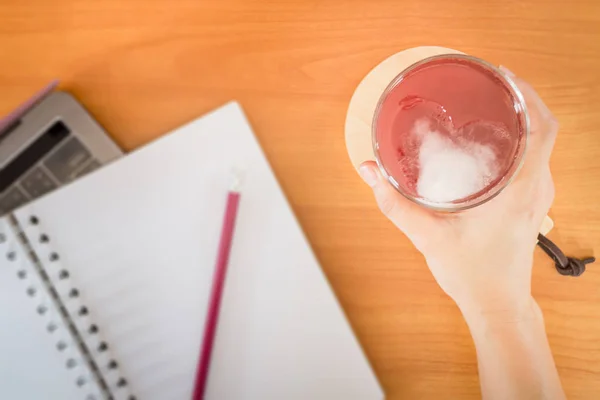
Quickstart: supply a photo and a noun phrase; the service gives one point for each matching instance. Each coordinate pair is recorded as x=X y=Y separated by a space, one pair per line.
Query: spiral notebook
x=104 y=283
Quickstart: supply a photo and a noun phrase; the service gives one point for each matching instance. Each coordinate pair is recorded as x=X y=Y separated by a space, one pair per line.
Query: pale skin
x=482 y=258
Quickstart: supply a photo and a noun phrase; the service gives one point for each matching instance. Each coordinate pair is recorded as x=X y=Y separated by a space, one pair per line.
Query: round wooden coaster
x=364 y=100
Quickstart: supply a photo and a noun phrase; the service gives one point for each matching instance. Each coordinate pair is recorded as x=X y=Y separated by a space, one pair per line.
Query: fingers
x=543 y=126
x=405 y=214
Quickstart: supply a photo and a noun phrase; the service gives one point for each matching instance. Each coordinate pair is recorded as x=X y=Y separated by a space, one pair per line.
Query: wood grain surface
x=143 y=67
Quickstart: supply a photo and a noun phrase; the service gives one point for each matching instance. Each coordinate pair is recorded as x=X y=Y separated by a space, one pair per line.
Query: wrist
x=502 y=313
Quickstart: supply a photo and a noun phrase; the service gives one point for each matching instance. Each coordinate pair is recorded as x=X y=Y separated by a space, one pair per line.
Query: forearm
x=513 y=354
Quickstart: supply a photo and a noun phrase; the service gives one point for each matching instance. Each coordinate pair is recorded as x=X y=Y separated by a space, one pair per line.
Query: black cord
x=569 y=266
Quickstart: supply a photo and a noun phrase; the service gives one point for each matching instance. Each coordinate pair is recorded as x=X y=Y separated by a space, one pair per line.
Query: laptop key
x=67 y=159
x=37 y=182
x=12 y=199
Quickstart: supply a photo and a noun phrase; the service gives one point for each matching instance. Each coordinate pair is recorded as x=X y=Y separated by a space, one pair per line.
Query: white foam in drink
x=452 y=168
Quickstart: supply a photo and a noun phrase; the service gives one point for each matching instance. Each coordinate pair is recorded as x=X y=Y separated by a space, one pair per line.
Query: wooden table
x=144 y=67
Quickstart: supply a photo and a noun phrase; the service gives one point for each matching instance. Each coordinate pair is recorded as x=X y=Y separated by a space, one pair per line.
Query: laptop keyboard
x=69 y=160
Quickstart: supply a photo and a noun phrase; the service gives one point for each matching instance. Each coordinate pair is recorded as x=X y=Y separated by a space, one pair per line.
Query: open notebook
x=104 y=284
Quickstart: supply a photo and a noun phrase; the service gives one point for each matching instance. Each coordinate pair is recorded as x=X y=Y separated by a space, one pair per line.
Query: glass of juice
x=449 y=132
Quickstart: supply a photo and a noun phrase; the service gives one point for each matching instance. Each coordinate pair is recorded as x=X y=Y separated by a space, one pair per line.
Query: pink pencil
x=212 y=316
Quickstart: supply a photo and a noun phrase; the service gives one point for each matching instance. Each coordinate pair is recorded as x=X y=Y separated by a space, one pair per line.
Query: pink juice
x=450 y=129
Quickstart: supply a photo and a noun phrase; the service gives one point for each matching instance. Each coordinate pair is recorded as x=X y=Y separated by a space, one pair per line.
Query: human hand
x=482 y=257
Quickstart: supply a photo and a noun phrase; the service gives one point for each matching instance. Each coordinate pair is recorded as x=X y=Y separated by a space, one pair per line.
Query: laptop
x=51 y=144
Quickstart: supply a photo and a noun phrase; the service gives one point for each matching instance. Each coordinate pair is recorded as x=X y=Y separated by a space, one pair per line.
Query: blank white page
x=31 y=365
x=139 y=239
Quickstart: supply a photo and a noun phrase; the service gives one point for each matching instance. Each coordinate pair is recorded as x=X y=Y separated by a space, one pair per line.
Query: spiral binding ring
x=52 y=326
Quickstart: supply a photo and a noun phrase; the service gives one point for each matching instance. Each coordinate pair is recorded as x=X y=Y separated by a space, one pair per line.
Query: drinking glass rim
x=519 y=158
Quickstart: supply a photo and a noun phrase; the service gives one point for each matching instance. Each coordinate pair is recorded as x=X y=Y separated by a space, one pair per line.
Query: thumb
x=405 y=214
